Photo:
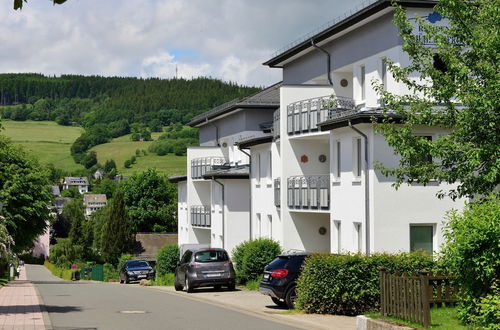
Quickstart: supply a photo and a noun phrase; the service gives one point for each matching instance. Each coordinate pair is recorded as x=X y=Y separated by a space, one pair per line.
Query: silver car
x=204 y=267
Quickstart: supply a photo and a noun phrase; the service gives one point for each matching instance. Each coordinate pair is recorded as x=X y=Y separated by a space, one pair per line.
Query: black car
x=204 y=267
x=279 y=279
x=136 y=270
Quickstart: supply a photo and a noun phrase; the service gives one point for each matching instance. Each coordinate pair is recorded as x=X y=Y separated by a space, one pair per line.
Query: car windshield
x=137 y=264
x=211 y=256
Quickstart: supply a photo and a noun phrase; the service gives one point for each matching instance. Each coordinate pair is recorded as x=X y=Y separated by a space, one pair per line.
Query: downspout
x=328 y=63
x=367 y=189
x=250 y=169
x=223 y=212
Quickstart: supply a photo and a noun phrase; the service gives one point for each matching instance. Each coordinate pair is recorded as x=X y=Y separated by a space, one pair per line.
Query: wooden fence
x=410 y=297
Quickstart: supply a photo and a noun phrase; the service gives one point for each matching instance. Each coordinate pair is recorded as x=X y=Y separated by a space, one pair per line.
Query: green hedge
x=167 y=258
x=64 y=273
x=110 y=273
x=349 y=284
x=251 y=257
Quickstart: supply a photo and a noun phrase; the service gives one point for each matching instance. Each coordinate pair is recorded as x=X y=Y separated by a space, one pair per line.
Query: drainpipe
x=367 y=191
x=223 y=211
x=250 y=168
x=328 y=64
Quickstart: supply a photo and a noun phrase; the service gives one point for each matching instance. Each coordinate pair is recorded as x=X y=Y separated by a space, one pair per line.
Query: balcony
x=200 y=166
x=200 y=216
x=277 y=190
x=309 y=192
x=304 y=116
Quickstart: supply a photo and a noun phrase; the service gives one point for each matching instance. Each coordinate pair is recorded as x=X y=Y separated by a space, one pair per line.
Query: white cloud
x=227 y=39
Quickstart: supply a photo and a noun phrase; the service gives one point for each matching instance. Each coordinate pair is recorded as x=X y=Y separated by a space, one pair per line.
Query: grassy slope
x=51 y=144
x=122 y=148
x=48 y=141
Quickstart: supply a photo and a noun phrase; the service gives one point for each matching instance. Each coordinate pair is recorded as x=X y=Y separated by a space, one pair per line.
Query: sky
x=224 y=39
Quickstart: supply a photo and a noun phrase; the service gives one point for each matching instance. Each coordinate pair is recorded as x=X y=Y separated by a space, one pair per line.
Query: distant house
x=81 y=183
x=93 y=202
x=99 y=174
x=58 y=204
x=56 y=191
x=119 y=178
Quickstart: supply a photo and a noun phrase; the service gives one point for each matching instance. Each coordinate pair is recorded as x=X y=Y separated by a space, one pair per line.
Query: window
x=211 y=256
x=257 y=168
x=383 y=74
x=258 y=232
x=358 y=236
x=421 y=238
x=336 y=170
x=362 y=81
x=357 y=160
x=339 y=238
x=270 y=222
x=270 y=171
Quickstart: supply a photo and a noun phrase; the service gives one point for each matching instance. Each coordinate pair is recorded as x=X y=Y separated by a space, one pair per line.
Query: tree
x=127 y=163
x=151 y=202
x=106 y=186
x=73 y=213
x=18 y=4
x=117 y=234
x=458 y=90
x=24 y=193
x=71 y=192
x=109 y=165
x=90 y=159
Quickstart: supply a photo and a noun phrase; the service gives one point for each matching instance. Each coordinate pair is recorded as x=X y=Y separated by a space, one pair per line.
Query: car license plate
x=213 y=275
x=265 y=277
x=141 y=276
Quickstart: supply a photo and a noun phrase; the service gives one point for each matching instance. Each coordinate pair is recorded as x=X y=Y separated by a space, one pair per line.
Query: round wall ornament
x=344 y=82
x=322 y=230
x=304 y=159
x=322 y=158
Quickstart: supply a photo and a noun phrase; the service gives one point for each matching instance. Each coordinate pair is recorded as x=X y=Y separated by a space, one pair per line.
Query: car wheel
x=231 y=287
x=127 y=281
x=121 y=281
x=217 y=287
x=187 y=286
x=279 y=302
x=290 y=297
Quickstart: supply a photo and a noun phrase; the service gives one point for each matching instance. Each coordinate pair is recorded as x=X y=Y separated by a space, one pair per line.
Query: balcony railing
x=200 y=166
x=309 y=192
x=276 y=125
x=200 y=216
x=277 y=189
x=304 y=116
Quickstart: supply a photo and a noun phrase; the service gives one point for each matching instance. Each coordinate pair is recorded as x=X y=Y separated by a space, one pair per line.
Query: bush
x=472 y=252
x=29 y=259
x=65 y=253
x=127 y=163
x=349 y=284
x=164 y=280
x=61 y=272
x=252 y=256
x=110 y=273
x=488 y=315
x=122 y=259
x=167 y=258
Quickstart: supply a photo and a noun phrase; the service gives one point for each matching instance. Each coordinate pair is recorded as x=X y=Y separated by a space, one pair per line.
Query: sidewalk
x=20 y=306
x=254 y=303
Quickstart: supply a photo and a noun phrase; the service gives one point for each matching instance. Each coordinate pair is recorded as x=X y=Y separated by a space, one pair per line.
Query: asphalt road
x=90 y=305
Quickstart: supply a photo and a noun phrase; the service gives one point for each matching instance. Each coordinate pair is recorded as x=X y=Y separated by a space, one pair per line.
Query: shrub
x=472 y=252
x=110 y=273
x=167 y=258
x=164 y=280
x=65 y=253
x=61 y=272
x=349 y=284
x=29 y=259
x=252 y=256
x=122 y=259
x=488 y=315
x=127 y=163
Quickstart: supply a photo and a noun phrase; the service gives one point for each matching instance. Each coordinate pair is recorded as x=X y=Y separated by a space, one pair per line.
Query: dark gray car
x=204 y=267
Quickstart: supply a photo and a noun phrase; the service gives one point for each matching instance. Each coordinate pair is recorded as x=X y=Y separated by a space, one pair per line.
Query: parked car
x=204 y=267
x=279 y=279
x=136 y=270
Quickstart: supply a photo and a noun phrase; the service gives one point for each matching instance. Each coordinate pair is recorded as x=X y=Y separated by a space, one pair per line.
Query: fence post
x=424 y=294
x=383 y=292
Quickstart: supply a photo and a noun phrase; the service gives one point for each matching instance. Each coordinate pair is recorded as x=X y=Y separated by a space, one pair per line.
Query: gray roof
x=94 y=198
x=247 y=143
x=225 y=172
x=338 y=25
x=55 y=190
x=266 y=98
x=76 y=181
x=177 y=178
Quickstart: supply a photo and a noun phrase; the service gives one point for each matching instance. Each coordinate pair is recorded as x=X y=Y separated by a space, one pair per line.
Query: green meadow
x=51 y=143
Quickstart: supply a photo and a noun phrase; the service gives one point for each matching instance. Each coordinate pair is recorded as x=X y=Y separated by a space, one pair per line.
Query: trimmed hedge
x=251 y=257
x=349 y=284
x=167 y=258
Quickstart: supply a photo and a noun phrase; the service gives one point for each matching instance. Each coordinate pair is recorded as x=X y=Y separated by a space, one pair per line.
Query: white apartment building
x=81 y=183
x=93 y=202
x=214 y=196
x=313 y=181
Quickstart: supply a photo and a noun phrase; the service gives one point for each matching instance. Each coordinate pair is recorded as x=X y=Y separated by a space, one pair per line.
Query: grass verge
x=443 y=318
x=164 y=280
x=63 y=273
x=252 y=285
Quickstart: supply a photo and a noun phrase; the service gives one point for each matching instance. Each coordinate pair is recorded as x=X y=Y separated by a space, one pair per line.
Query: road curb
x=266 y=316
x=45 y=314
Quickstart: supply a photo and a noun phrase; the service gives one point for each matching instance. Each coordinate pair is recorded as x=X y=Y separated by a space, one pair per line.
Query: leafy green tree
x=151 y=201
x=90 y=159
x=24 y=193
x=109 y=166
x=117 y=232
x=135 y=136
x=127 y=163
x=106 y=186
x=462 y=98
x=71 y=192
x=73 y=212
x=18 y=4
x=146 y=135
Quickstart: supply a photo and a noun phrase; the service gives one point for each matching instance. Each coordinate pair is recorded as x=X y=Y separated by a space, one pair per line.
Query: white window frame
x=337 y=159
x=258 y=225
x=357 y=158
x=270 y=228
x=358 y=236
x=338 y=232
x=257 y=168
x=362 y=81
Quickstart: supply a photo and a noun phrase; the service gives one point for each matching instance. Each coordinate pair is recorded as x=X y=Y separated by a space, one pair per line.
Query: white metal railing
x=309 y=192
x=304 y=116
x=200 y=216
x=199 y=166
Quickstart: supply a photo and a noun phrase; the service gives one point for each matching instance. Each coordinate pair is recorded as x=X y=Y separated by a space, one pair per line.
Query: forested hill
x=93 y=99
